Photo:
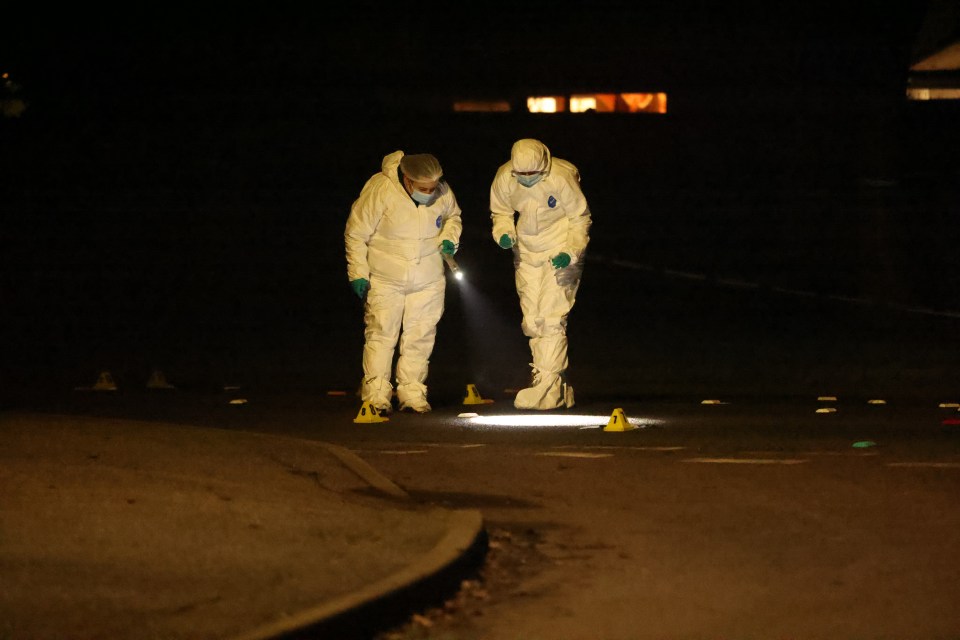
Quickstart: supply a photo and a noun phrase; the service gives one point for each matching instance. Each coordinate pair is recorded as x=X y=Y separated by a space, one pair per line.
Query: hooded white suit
x=552 y=217
x=393 y=242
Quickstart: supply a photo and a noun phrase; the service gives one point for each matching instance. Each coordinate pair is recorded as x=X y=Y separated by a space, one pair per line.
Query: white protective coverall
x=393 y=242
x=552 y=218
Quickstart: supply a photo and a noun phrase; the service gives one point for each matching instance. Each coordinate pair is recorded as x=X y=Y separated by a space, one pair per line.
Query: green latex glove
x=505 y=241
x=360 y=287
x=561 y=260
x=448 y=248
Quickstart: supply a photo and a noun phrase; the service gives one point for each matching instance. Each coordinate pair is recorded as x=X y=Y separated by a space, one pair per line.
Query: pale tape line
x=744 y=461
x=453 y=445
x=563 y=454
x=397 y=452
x=932 y=465
x=848 y=454
x=604 y=446
x=650 y=448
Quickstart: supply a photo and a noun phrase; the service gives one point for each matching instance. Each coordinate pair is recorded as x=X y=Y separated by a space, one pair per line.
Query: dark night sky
x=473 y=49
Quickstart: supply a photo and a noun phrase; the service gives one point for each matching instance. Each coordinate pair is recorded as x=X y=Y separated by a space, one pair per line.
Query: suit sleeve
x=579 y=218
x=365 y=215
x=452 y=223
x=501 y=212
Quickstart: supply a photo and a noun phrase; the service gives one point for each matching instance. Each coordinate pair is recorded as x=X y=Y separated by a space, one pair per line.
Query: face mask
x=422 y=198
x=529 y=181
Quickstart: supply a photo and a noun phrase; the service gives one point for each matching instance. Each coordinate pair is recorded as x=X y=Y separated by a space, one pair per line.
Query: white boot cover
x=549 y=389
x=550 y=393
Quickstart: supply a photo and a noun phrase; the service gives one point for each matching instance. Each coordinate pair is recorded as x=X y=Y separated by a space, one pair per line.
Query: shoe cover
x=411 y=391
x=548 y=394
x=418 y=405
x=568 y=396
x=378 y=392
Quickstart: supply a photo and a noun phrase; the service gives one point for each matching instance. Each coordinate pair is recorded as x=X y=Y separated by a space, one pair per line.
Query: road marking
x=396 y=452
x=741 y=284
x=745 y=461
x=856 y=454
x=563 y=454
x=685 y=274
x=451 y=445
x=931 y=465
x=614 y=448
x=666 y=448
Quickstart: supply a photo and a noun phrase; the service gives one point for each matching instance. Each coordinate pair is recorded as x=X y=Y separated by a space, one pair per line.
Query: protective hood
x=530 y=155
x=390 y=165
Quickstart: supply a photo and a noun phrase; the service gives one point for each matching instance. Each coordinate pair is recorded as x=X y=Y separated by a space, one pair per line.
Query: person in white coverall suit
x=405 y=217
x=539 y=211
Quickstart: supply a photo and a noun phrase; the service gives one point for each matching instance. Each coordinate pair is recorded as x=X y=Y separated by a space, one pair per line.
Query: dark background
x=175 y=194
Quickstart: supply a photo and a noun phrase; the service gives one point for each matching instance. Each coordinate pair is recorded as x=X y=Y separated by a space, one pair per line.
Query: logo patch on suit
x=439 y=221
x=552 y=202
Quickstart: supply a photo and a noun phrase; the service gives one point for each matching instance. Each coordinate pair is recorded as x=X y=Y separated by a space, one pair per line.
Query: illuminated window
x=601 y=103
x=925 y=93
x=575 y=103
x=546 y=104
x=500 y=106
x=642 y=102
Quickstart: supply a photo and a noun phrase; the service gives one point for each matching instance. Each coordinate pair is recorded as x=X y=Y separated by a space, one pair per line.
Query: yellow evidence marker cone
x=105 y=382
x=473 y=396
x=618 y=422
x=158 y=381
x=369 y=413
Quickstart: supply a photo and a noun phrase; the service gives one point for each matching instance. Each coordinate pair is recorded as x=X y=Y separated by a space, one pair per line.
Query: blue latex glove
x=360 y=287
x=448 y=248
x=561 y=260
x=505 y=241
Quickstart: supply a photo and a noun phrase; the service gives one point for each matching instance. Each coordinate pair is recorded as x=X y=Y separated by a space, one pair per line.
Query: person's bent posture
x=405 y=218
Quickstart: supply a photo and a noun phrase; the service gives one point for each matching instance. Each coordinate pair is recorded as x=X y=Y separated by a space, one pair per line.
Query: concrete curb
x=389 y=601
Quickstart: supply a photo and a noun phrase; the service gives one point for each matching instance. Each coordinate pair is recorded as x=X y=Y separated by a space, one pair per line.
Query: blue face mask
x=529 y=181
x=423 y=198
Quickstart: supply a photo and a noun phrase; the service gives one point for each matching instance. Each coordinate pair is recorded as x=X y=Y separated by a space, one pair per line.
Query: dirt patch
x=513 y=558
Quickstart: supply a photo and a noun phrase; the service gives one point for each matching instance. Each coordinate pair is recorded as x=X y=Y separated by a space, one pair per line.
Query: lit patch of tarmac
x=548 y=420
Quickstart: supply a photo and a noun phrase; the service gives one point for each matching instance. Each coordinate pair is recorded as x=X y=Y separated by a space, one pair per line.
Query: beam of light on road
x=547 y=420
x=494 y=343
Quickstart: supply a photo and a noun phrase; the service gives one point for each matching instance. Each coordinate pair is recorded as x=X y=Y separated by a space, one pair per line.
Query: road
x=786 y=478
x=716 y=522
x=751 y=518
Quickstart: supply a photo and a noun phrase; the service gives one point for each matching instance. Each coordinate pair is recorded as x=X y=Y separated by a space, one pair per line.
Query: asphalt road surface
x=792 y=473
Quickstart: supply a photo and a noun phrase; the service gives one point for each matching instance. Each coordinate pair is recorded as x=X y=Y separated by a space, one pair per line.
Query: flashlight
x=454 y=267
